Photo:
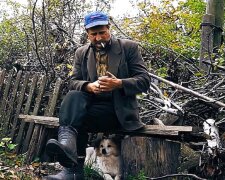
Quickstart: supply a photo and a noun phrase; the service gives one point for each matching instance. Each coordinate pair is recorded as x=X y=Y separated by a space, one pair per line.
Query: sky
x=122 y=7
x=119 y=7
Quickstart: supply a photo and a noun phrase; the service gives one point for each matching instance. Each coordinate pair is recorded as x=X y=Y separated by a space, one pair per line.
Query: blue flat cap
x=95 y=19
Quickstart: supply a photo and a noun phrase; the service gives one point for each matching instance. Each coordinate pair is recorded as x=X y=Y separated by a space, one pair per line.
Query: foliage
x=12 y=42
x=44 y=34
x=139 y=176
x=92 y=172
x=12 y=166
x=47 y=34
x=9 y=160
x=169 y=36
x=173 y=27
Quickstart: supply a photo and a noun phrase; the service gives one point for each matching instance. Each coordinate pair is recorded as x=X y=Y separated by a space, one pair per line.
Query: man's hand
x=109 y=82
x=93 y=87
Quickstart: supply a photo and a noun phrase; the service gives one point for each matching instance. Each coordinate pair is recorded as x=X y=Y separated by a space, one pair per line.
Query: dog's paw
x=108 y=177
x=118 y=177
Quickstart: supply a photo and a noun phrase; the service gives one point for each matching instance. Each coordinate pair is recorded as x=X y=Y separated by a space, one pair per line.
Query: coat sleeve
x=139 y=79
x=77 y=81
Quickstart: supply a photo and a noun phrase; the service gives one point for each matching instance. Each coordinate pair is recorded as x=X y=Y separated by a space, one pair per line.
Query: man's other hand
x=109 y=83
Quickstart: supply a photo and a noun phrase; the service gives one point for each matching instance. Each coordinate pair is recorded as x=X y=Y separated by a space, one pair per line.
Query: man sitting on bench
x=107 y=75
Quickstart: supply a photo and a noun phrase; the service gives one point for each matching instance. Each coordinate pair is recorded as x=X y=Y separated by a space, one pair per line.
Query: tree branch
x=189 y=91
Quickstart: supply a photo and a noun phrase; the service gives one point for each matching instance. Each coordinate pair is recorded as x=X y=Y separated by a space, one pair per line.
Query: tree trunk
x=207 y=40
x=216 y=8
x=154 y=156
x=212 y=28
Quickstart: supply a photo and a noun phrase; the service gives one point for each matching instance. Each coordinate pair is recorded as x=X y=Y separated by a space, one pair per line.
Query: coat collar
x=115 y=57
x=91 y=65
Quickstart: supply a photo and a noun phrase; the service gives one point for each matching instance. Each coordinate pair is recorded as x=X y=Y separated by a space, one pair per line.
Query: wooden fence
x=27 y=93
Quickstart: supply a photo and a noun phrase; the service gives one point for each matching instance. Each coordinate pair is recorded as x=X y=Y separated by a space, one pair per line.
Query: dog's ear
x=116 y=138
x=96 y=143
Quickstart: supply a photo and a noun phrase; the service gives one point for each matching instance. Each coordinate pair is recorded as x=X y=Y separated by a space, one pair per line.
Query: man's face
x=98 y=35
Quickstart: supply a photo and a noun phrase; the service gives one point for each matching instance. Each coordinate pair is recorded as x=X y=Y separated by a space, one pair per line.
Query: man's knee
x=76 y=95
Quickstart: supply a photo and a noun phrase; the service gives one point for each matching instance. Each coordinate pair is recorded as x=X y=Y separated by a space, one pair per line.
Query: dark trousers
x=87 y=113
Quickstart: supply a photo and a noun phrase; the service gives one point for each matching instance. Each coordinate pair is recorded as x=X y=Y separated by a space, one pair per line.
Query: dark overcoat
x=126 y=63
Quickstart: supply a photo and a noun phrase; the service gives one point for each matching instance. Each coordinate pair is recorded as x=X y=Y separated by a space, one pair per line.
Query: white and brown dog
x=105 y=157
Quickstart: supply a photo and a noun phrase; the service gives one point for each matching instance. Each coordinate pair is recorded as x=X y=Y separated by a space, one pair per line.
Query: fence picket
x=11 y=104
x=2 y=77
x=41 y=133
x=19 y=105
x=35 y=112
x=4 y=100
x=26 y=111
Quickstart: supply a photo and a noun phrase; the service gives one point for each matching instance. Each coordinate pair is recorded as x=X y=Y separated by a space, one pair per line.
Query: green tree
x=12 y=37
x=173 y=27
x=44 y=33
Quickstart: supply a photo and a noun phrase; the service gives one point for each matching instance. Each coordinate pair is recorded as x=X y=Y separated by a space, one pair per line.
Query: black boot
x=73 y=173
x=79 y=169
x=65 y=174
x=65 y=149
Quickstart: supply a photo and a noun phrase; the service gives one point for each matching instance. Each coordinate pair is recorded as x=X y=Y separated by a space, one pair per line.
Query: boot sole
x=55 y=149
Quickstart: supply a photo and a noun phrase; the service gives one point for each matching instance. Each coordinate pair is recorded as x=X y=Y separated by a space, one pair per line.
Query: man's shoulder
x=83 y=49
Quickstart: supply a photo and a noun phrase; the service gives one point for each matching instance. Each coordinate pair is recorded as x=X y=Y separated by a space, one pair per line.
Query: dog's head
x=107 y=147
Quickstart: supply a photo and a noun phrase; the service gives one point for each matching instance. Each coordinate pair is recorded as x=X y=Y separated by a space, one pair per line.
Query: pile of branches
x=189 y=96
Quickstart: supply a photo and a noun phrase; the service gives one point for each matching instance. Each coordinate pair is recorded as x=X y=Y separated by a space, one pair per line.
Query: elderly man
x=107 y=75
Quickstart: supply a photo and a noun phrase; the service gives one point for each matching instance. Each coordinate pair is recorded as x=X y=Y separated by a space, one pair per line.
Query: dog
x=105 y=157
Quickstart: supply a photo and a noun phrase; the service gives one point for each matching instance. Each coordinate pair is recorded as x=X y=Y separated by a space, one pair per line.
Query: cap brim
x=97 y=23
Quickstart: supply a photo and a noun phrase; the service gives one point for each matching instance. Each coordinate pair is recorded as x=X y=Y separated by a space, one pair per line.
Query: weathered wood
x=53 y=98
x=154 y=156
x=5 y=94
x=11 y=104
x=19 y=105
x=45 y=120
x=35 y=112
x=2 y=77
x=4 y=101
x=41 y=134
x=33 y=143
x=21 y=132
x=50 y=112
x=147 y=130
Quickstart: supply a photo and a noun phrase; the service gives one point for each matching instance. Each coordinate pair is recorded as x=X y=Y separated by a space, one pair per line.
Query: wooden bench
x=29 y=109
x=148 y=130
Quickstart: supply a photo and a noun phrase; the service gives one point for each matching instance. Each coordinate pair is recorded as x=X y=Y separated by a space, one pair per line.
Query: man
x=108 y=73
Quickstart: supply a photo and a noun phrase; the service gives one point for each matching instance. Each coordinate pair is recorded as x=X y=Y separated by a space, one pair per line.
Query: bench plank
x=147 y=130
